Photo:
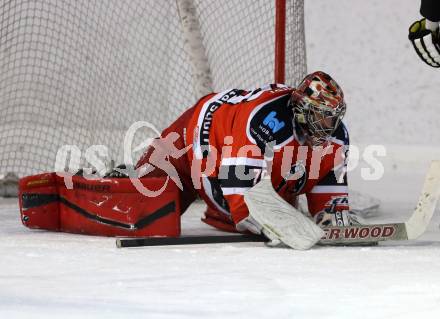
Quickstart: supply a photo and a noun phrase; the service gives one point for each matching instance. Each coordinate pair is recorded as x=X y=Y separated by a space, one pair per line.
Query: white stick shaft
x=419 y=221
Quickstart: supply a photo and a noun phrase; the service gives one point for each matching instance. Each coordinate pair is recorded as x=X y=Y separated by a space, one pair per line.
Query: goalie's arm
x=330 y=193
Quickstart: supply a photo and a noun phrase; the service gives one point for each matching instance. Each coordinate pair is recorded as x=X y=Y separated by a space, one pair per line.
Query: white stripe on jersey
x=229 y=161
x=234 y=190
x=336 y=141
x=329 y=189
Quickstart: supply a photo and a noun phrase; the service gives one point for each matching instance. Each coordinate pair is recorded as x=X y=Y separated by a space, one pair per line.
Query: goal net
x=81 y=72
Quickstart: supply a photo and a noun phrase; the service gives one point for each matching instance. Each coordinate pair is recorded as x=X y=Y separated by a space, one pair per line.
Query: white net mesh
x=81 y=72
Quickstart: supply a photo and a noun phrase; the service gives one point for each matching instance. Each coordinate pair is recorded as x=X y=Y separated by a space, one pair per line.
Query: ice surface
x=393 y=99
x=54 y=275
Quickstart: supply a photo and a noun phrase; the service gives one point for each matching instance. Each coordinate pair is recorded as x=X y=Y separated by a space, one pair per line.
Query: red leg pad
x=38 y=199
x=106 y=207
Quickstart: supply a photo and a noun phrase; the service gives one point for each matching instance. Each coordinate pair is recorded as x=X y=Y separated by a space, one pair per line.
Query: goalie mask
x=318 y=106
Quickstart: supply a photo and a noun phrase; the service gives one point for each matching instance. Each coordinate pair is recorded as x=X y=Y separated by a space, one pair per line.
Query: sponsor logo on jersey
x=337 y=201
x=205 y=122
x=271 y=122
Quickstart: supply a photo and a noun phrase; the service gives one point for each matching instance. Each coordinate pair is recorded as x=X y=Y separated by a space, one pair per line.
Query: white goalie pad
x=280 y=219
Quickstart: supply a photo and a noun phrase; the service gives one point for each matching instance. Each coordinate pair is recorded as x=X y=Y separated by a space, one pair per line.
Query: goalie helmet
x=318 y=106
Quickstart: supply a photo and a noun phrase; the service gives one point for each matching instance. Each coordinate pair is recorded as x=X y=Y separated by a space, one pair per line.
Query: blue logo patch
x=273 y=123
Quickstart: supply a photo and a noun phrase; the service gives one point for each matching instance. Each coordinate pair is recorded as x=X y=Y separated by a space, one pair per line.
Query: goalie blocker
x=104 y=206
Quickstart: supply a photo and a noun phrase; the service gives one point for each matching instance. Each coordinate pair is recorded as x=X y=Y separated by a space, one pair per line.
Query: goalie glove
x=343 y=218
x=426 y=42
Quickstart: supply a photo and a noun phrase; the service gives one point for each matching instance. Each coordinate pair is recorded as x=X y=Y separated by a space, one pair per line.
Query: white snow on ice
x=393 y=99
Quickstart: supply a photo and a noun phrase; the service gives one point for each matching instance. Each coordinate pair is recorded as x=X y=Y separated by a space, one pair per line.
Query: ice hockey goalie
x=217 y=149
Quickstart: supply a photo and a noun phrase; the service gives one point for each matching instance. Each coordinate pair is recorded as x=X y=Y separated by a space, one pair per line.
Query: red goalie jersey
x=234 y=137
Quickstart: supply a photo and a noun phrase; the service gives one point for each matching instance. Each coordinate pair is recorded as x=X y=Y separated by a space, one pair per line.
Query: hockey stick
x=354 y=235
x=207 y=239
x=188 y=240
x=299 y=232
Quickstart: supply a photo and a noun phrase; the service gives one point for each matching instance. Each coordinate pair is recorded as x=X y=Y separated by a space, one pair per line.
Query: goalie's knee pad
x=426 y=43
x=105 y=206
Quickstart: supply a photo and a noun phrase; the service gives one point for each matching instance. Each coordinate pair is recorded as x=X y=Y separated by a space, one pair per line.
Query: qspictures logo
x=162 y=152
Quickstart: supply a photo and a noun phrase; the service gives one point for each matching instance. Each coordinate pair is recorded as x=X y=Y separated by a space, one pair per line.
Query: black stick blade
x=187 y=240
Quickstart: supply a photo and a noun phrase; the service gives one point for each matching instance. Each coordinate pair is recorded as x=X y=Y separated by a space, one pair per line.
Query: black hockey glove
x=426 y=43
x=122 y=171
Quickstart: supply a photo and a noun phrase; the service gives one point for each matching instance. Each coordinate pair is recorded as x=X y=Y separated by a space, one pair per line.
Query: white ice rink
x=54 y=275
x=393 y=99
